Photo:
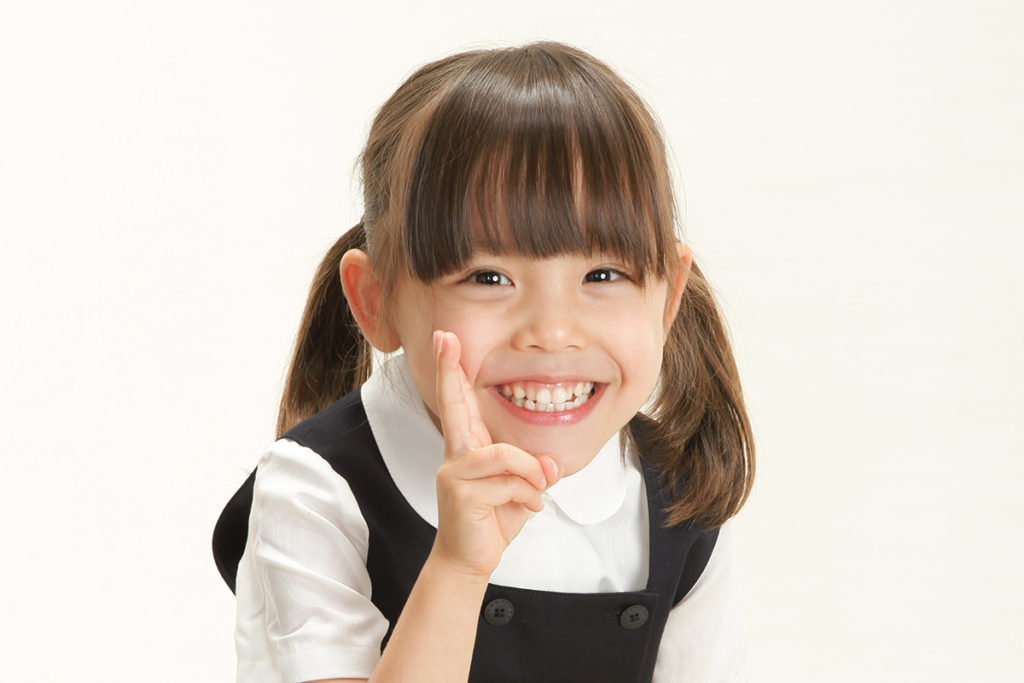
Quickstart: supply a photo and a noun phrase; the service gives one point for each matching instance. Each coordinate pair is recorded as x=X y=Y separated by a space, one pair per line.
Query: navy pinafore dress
x=522 y=634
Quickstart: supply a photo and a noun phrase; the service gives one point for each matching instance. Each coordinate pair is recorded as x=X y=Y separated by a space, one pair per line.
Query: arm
x=485 y=494
x=304 y=608
x=433 y=639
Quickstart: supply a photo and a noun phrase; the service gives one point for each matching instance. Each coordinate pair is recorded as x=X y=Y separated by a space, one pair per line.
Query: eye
x=604 y=275
x=488 y=277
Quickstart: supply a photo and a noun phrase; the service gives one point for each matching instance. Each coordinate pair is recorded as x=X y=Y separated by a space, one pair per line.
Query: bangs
x=539 y=152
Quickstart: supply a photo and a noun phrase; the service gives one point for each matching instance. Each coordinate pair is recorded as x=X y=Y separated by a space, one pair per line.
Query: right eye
x=489 y=277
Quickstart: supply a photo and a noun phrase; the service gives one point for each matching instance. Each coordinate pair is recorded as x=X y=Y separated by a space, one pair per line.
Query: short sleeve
x=304 y=609
x=705 y=638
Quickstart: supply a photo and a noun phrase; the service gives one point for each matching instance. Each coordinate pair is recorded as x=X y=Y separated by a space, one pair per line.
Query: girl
x=493 y=503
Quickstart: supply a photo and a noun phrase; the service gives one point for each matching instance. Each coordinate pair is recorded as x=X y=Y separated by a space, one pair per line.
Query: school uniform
x=340 y=514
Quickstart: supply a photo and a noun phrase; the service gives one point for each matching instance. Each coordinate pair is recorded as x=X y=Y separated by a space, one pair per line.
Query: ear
x=677 y=283
x=362 y=289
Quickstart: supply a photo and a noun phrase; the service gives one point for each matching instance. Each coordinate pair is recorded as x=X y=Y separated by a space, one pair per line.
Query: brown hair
x=537 y=150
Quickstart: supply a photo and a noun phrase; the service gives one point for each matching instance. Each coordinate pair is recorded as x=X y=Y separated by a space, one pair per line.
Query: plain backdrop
x=171 y=173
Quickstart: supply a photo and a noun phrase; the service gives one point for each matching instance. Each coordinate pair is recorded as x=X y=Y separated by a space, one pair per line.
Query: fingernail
x=554 y=467
x=438 y=342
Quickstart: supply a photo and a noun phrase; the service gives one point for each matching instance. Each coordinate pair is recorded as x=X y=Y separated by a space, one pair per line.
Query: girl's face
x=561 y=352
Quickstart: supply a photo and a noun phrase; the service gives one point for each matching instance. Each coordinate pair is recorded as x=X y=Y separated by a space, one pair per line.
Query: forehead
x=581 y=214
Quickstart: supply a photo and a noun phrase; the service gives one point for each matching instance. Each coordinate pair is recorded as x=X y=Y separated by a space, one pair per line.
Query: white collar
x=413 y=450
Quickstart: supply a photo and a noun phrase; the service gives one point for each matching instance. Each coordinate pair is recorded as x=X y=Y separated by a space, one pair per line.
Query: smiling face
x=521 y=199
x=561 y=351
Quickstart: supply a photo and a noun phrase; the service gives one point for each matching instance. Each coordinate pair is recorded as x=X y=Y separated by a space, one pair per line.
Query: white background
x=170 y=174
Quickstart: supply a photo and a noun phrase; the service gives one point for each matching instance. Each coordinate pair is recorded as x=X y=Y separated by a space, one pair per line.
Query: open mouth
x=547 y=398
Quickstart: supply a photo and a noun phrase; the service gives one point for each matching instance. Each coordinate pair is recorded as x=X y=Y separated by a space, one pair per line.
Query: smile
x=547 y=398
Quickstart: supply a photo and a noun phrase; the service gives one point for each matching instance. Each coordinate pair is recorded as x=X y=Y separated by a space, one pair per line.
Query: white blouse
x=304 y=609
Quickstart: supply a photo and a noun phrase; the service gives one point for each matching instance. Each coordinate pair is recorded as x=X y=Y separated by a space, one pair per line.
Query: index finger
x=452 y=404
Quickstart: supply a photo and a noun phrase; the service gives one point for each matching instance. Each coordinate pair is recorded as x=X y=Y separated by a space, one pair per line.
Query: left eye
x=603 y=275
x=489 y=277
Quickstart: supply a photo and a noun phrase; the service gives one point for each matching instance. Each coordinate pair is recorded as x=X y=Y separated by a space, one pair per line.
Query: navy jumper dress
x=522 y=634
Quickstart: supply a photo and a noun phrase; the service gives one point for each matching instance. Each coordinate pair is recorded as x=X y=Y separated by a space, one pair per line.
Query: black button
x=498 y=612
x=633 y=617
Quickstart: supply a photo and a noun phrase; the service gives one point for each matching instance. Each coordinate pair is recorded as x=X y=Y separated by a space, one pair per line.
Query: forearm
x=433 y=639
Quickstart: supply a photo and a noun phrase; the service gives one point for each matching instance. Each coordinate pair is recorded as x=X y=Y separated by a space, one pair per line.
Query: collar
x=413 y=450
x=596 y=492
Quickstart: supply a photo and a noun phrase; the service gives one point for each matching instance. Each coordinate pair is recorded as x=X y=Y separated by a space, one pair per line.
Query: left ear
x=677 y=283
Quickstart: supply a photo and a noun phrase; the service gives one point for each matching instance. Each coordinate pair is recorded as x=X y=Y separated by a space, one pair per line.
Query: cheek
x=641 y=346
x=473 y=340
x=642 y=352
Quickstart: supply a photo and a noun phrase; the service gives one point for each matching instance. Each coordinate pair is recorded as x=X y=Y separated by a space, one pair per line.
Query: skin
x=506 y=319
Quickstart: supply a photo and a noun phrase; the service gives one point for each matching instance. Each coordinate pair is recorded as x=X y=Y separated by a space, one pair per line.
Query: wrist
x=445 y=569
x=436 y=631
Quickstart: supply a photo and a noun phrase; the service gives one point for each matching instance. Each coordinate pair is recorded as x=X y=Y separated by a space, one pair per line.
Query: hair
x=537 y=150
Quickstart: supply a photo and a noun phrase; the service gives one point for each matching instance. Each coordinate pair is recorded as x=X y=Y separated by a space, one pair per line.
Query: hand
x=485 y=491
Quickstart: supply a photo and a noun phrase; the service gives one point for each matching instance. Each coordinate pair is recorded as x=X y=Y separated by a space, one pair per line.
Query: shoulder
x=287 y=466
x=298 y=496
x=344 y=415
x=705 y=637
x=717 y=570
x=292 y=484
x=292 y=475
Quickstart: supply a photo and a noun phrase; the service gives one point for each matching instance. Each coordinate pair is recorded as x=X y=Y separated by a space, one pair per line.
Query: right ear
x=362 y=289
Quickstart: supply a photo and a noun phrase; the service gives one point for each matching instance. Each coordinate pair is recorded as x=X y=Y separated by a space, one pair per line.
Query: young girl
x=532 y=490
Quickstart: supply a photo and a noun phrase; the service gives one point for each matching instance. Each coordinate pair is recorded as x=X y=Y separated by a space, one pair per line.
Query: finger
x=476 y=423
x=493 y=492
x=451 y=401
x=552 y=470
x=501 y=458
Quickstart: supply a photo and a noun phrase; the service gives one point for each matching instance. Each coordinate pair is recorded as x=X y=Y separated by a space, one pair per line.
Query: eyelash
x=612 y=273
x=487 y=278
x=492 y=278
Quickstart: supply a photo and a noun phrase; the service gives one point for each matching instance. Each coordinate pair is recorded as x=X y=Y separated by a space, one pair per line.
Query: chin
x=572 y=456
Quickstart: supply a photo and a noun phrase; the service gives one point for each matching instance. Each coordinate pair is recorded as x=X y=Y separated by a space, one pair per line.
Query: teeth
x=548 y=400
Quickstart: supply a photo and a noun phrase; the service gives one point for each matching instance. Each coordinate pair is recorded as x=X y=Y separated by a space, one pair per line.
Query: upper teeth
x=548 y=398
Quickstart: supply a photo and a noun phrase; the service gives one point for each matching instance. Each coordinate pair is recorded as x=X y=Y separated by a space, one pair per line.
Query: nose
x=549 y=321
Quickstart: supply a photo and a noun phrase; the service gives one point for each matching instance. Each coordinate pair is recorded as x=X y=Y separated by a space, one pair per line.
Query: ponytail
x=700 y=437
x=331 y=357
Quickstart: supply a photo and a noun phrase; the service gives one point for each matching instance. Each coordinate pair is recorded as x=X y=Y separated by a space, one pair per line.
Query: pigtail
x=533 y=109
x=331 y=357
x=700 y=437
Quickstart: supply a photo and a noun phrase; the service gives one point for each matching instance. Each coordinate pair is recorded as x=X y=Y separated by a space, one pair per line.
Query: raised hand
x=485 y=491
